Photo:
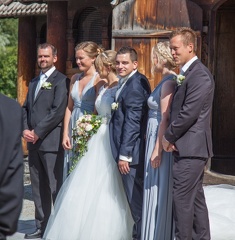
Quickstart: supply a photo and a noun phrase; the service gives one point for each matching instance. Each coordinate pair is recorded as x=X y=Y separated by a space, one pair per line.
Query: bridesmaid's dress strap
x=93 y=78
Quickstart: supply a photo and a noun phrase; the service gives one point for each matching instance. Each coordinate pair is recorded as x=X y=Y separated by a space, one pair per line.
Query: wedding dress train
x=220 y=201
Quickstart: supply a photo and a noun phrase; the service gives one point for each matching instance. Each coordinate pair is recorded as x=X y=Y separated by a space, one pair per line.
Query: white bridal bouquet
x=86 y=126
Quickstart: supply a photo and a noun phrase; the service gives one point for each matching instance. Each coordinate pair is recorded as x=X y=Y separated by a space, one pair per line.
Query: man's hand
x=35 y=137
x=123 y=167
x=28 y=135
x=167 y=146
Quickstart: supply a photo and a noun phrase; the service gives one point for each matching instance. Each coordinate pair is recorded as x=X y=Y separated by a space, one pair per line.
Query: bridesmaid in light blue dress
x=157 y=220
x=83 y=91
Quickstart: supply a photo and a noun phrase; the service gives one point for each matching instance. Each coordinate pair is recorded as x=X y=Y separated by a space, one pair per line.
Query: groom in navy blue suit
x=127 y=130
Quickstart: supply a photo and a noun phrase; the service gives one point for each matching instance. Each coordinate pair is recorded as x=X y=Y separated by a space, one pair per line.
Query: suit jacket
x=128 y=122
x=191 y=112
x=45 y=113
x=11 y=161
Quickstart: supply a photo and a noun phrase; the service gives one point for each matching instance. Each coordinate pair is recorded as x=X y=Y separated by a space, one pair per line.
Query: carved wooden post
x=57 y=31
x=26 y=55
x=26 y=59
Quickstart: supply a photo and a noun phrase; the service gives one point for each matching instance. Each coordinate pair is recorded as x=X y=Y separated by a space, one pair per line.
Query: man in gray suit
x=189 y=137
x=43 y=113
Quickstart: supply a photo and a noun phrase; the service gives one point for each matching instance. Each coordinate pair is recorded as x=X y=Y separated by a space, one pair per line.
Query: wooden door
x=223 y=124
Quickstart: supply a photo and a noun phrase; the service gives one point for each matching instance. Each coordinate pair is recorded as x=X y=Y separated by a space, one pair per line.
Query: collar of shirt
x=187 y=64
x=49 y=72
x=124 y=80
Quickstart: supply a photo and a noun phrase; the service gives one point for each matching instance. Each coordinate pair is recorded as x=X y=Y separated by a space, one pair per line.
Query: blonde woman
x=84 y=88
x=157 y=204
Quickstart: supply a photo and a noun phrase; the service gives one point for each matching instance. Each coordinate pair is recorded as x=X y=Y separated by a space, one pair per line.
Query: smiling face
x=83 y=61
x=46 y=59
x=181 y=52
x=124 y=64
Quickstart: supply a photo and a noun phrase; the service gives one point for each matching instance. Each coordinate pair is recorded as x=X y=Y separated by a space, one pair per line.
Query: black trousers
x=2 y=236
x=189 y=206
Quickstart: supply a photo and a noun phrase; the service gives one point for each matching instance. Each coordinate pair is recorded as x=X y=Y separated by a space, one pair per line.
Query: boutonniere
x=179 y=79
x=46 y=85
x=114 y=106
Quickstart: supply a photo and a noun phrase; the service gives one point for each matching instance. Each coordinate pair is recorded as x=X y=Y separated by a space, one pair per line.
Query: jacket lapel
x=126 y=85
x=191 y=67
x=50 y=79
x=34 y=86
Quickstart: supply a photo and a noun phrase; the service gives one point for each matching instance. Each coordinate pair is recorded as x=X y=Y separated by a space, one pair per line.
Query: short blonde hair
x=188 y=36
x=163 y=53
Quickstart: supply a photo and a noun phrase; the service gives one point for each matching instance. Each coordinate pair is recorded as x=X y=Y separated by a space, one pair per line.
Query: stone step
x=26 y=171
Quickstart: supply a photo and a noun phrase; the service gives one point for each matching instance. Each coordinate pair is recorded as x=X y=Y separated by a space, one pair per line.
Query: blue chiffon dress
x=85 y=103
x=157 y=219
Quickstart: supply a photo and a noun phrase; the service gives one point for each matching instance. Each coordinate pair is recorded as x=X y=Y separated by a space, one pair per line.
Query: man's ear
x=55 y=59
x=190 y=47
x=135 y=65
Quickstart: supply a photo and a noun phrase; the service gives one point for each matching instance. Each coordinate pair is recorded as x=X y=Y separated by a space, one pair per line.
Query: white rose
x=88 y=118
x=88 y=127
x=80 y=119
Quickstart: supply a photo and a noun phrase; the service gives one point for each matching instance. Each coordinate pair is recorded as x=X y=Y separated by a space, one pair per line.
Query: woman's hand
x=66 y=143
x=155 y=159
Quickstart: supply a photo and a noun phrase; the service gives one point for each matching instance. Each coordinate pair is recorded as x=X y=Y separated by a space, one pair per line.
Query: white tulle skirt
x=92 y=204
x=220 y=201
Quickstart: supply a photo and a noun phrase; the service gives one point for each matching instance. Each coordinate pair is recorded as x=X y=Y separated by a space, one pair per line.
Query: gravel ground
x=26 y=223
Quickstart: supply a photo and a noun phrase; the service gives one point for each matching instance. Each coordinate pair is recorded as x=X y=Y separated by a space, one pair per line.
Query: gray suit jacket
x=191 y=113
x=45 y=114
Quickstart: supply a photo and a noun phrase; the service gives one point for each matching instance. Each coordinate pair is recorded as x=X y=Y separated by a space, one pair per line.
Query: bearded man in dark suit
x=127 y=130
x=11 y=170
x=43 y=111
x=189 y=137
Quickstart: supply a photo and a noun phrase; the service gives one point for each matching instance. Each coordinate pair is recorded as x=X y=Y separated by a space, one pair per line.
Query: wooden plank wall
x=139 y=15
x=143 y=46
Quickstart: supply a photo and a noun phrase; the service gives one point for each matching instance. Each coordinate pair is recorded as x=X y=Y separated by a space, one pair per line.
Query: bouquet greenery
x=86 y=126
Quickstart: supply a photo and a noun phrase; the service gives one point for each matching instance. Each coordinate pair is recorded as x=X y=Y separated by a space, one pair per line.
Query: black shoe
x=36 y=234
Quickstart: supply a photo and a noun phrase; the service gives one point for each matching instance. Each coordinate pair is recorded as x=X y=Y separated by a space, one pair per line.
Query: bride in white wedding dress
x=91 y=204
x=220 y=201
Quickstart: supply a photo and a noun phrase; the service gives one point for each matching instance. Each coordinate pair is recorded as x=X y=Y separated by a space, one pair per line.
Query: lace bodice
x=104 y=100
